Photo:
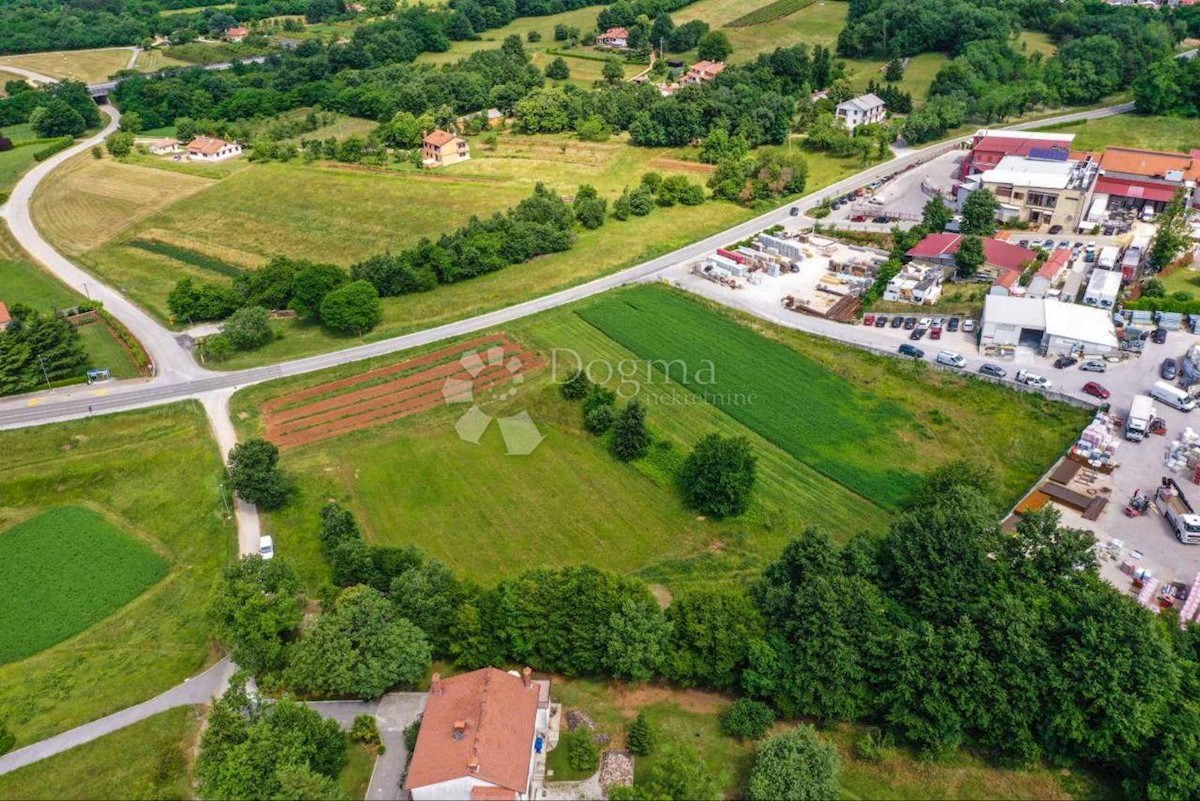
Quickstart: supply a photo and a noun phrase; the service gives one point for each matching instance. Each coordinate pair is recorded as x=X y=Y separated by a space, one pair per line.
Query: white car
x=1093 y=366
x=266 y=547
x=1036 y=381
x=968 y=326
x=924 y=322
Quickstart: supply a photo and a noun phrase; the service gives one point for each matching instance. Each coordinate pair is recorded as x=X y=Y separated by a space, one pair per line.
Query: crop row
x=769 y=13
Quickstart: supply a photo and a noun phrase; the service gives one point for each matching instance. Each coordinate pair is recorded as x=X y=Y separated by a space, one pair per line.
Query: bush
x=747 y=719
x=598 y=411
x=353 y=308
x=576 y=387
x=57 y=146
x=119 y=144
x=631 y=438
x=796 y=765
x=365 y=730
x=7 y=739
x=248 y=328
x=582 y=753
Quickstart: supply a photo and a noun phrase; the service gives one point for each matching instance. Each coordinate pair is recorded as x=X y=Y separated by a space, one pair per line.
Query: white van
x=1173 y=396
x=951 y=359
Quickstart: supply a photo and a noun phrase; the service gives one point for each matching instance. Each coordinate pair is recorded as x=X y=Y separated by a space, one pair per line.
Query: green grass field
x=14 y=163
x=89 y=66
x=66 y=569
x=158 y=472
x=1133 y=130
x=147 y=760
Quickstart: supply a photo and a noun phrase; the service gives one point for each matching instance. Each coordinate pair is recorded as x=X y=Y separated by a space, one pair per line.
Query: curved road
x=179 y=377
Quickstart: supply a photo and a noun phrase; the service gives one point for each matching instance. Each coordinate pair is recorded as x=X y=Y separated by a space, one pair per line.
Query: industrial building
x=1047 y=187
x=1047 y=326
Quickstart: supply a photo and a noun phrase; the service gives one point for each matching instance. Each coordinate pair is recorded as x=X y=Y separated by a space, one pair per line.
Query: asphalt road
x=178 y=377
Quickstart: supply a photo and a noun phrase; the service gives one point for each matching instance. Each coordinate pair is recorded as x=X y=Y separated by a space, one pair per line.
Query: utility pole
x=45 y=374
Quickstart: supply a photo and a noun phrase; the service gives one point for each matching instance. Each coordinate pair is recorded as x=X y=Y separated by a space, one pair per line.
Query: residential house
x=998 y=256
x=441 y=148
x=862 y=110
x=483 y=737
x=1007 y=283
x=209 y=148
x=1049 y=273
x=1136 y=179
x=5 y=317
x=236 y=34
x=616 y=38
x=919 y=284
x=989 y=147
x=1046 y=187
x=165 y=147
x=701 y=72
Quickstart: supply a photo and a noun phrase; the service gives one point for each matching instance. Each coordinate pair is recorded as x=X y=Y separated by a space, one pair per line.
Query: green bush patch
x=187 y=256
x=64 y=570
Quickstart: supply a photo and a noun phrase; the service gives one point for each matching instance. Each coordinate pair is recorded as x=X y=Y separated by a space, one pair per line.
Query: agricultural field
x=89 y=66
x=1133 y=130
x=24 y=282
x=412 y=480
x=691 y=716
x=68 y=568
x=147 y=760
x=157 y=474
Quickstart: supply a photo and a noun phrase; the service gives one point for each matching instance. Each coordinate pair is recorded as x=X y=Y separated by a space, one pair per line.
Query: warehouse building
x=1047 y=326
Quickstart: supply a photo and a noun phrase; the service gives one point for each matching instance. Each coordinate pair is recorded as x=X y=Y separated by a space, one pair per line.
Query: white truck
x=1137 y=427
x=1107 y=260
x=1180 y=516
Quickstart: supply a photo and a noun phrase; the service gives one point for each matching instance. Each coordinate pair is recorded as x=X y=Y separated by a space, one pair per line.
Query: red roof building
x=477 y=737
x=5 y=318
x=236 y=34
x=988 y=147
x=940 y=249
x=1134 y=179
x=613 y=37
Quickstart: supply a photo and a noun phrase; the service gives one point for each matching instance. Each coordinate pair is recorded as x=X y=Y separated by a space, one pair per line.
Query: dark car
x=1168 y=370
x=917 y=333
x=913 y=351
x=1065 y=361
x=994 y=370
x=910 y=323
x=794 y=211
x=1024 y=243
x=1095 y=390
x=952 y=324
x=897 y=321
x=1159 y=336
x=881 y=321
x=881 y=219
x=1056 y=229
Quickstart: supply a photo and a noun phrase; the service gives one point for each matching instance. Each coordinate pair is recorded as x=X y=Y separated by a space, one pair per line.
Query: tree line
x=37 y=348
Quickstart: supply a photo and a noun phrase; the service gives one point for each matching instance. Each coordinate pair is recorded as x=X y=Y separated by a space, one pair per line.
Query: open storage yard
x=158 y=473
x=840 y=436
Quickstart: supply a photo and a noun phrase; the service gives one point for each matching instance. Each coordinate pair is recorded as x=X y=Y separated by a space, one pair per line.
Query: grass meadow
x=1134 y=130
x=89 y=66
x=158 y=472
x=147 y=760
x=65 y=569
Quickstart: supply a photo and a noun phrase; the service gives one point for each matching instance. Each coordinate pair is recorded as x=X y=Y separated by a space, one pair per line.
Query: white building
x=1103 y=288
x=1047 y=325
x=482 y=735
x=165 y=147
x=917 y=284
x=208 y=148
x=862 y=110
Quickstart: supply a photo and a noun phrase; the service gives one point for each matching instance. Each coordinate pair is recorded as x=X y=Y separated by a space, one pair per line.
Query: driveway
x=394 y=713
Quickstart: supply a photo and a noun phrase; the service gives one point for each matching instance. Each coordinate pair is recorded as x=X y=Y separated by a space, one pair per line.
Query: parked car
x=266 y=547
x=924 y=322
x=880 y=321
x=1095 y=390
x=1065 y=361
x=968 y=326
x=1094 y=366
x=897 y=321
x=910 y=323
x=1055 y=229
x=1063 y=245
x=994 y=370
x=951 y=359
x=917 y=333
x=859 y=218
x=935 y=333
x=1033 y=379
x=881 y=219
x=952 y=324
x=911 y=350
x=1168 y=370
x=1159 y=336
x=1024 y=243
x=938 y=322
x=869 y=319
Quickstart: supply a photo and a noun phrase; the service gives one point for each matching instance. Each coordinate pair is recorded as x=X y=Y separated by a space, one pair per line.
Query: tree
x=613 y=72
x=255 y=606
x=582 y=753
x=631 y=438
x=353 y=308
x=712 y=630
x=795 y=765
x=715 y=46
x=254 y=474
x=558 y=69
x=57 y=118
x=718 y=476
x=894 y=71
x=533 y=36
x=119 y=144
x=637 y=640
x=248 y=328
x=359 y=648
x=1154 y=288
x=131 y=122
x=301 y=781
x=936 y=215
x=310 y=286
x=678 y=774
x=591 y=212
x=576 y=387
x=970 y=256
x=598 y=413
x=640 y=739
x=1171 y=234
x=429 y=597
x=979 y=213
x=747 y=719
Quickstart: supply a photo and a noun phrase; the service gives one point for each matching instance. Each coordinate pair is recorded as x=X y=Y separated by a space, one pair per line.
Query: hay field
x=89 y=66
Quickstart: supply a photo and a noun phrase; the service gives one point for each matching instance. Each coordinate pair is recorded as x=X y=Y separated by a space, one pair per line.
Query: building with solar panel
x=1045 y=187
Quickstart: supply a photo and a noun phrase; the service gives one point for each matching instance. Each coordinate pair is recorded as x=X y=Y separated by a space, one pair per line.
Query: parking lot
x=903 y=197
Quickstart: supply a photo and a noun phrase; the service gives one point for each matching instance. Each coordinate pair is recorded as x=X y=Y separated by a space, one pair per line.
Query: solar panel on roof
x=1048 y=154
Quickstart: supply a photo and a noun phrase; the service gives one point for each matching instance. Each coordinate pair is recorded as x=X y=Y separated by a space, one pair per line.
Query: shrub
x=248 y=328
x=631 y=438
x=796 y=765
x=598 y=411
x=576 y=387
x=582 y=753
x=7 y=739
x=57 y=146
x=641 y=737
x=747 y=719
x=365 y=730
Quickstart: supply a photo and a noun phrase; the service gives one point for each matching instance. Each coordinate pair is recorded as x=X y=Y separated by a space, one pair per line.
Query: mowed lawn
x=147 y=760
x=14 y=162
x=89 y=66
x=1134 y=130
x=159 y=473
x=64 y=570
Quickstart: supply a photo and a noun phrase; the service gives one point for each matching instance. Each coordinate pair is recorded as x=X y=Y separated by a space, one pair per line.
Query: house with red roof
x=5 y=317
x=441 y=148
x=702 y=72
x=209 y=148
x=482 y=737
x=1006 y=283
x=988 y=147
x=236 y=34
x=997 y=254
x=1134 y=179
x=1050 y=273
x=616 y=38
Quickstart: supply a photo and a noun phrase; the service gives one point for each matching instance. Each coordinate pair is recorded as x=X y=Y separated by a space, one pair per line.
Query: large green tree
x=979 y=213
x=255 y=607
x=353 y=308
x=718 y=476
x=796 y=766
x=255 y=476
